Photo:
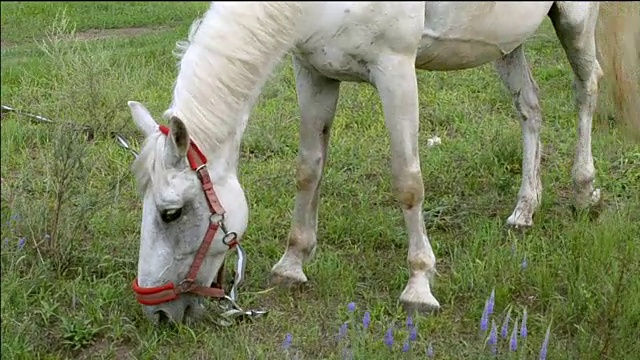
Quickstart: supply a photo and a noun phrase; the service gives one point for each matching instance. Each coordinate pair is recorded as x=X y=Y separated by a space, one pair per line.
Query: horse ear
x=142 y=118
x=179 y=136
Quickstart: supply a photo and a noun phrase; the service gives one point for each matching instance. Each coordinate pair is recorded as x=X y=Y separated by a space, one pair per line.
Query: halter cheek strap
x=169 y=291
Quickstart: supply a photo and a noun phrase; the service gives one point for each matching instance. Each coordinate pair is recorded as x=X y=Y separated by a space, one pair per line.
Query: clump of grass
x=49 y=210
x=75 y=95
x=82 y=86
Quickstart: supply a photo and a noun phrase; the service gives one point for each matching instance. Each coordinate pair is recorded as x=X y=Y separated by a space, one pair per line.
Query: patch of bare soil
x=101 y=348
x=98 y=34
x=4 y=44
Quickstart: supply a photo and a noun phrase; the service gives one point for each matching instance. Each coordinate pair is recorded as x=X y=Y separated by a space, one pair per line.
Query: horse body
x=462 y=35
x=236 y=46
x=344 y=38
x=383 y=44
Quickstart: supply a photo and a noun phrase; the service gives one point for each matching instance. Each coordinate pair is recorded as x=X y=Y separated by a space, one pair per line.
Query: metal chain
x=121 y=140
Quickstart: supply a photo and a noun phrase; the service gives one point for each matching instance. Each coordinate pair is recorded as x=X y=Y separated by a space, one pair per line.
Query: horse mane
x=229 y=54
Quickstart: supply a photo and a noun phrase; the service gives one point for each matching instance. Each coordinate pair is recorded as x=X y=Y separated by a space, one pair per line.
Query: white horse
x=229 y=56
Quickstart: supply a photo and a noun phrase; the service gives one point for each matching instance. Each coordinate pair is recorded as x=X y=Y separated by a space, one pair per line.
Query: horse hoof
x=519 y=221
x=517 y=228
x=592 y=206
x=425 y=306
x=419 y=299
x=288 y=278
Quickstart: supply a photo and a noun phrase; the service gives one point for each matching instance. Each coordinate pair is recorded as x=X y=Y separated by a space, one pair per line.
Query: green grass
x=70 y=298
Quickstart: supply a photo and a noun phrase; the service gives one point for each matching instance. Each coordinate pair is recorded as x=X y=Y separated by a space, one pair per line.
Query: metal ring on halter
x=229 y=237
x=216 y=218
x=185 y=285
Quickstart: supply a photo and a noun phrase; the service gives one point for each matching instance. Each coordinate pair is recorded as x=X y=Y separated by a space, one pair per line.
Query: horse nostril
x=162 y=317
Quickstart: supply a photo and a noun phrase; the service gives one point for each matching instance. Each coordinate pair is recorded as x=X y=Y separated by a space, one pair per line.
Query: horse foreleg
x=395 y=78
x=317 y=100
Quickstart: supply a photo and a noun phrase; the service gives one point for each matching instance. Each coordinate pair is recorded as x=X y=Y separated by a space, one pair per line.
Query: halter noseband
x=169 y=291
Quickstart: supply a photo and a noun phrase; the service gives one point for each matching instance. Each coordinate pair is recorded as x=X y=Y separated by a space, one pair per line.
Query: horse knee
x=308 y=172
x=528 y=104
x=583 y=173
x=594 y=79
x=410 y=189
x=301 y=240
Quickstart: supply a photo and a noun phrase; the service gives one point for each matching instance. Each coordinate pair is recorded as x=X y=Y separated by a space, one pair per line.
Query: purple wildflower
x=430 y=350
x=493 y=338
x=343 y=331
x=513 y=343
x=351 y=307
x=21 y=243
x=405 y=347
x=492 y=302
x=286 y=344
x=523 y=326
x=523 y=265
x=347 y=354
x=409 y=322
x=484 y=320
x=388 y=338
x=366 y=320
x=413 y=334
x=545 y=345
x=505 y=326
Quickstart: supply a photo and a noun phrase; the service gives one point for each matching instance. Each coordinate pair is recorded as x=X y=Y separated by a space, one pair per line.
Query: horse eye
x=170 y=215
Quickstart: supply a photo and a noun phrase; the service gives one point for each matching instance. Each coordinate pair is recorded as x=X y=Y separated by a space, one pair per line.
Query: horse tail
x=618 y=38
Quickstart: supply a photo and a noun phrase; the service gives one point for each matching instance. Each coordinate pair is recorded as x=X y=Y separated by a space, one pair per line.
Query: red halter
x=169 y=291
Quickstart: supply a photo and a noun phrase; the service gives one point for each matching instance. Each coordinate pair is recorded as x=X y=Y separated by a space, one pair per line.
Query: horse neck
x=222 y=162
x=229 y=58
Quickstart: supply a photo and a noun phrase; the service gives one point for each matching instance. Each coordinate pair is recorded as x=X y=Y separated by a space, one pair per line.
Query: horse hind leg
x=515 y=74
x=317 y=100
x=575 y=29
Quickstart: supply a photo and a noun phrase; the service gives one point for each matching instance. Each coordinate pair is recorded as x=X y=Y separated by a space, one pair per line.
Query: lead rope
x=231 y=311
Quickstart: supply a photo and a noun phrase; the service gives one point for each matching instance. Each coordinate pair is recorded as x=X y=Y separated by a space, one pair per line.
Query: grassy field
x=70 y=212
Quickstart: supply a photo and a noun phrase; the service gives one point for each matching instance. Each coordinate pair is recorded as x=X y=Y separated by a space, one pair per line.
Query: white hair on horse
x=182 y=45
x=150 y=168
x=208 y=100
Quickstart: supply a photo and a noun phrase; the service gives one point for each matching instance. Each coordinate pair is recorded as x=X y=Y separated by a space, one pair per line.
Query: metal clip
x=239 y=276
x=231 y=310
